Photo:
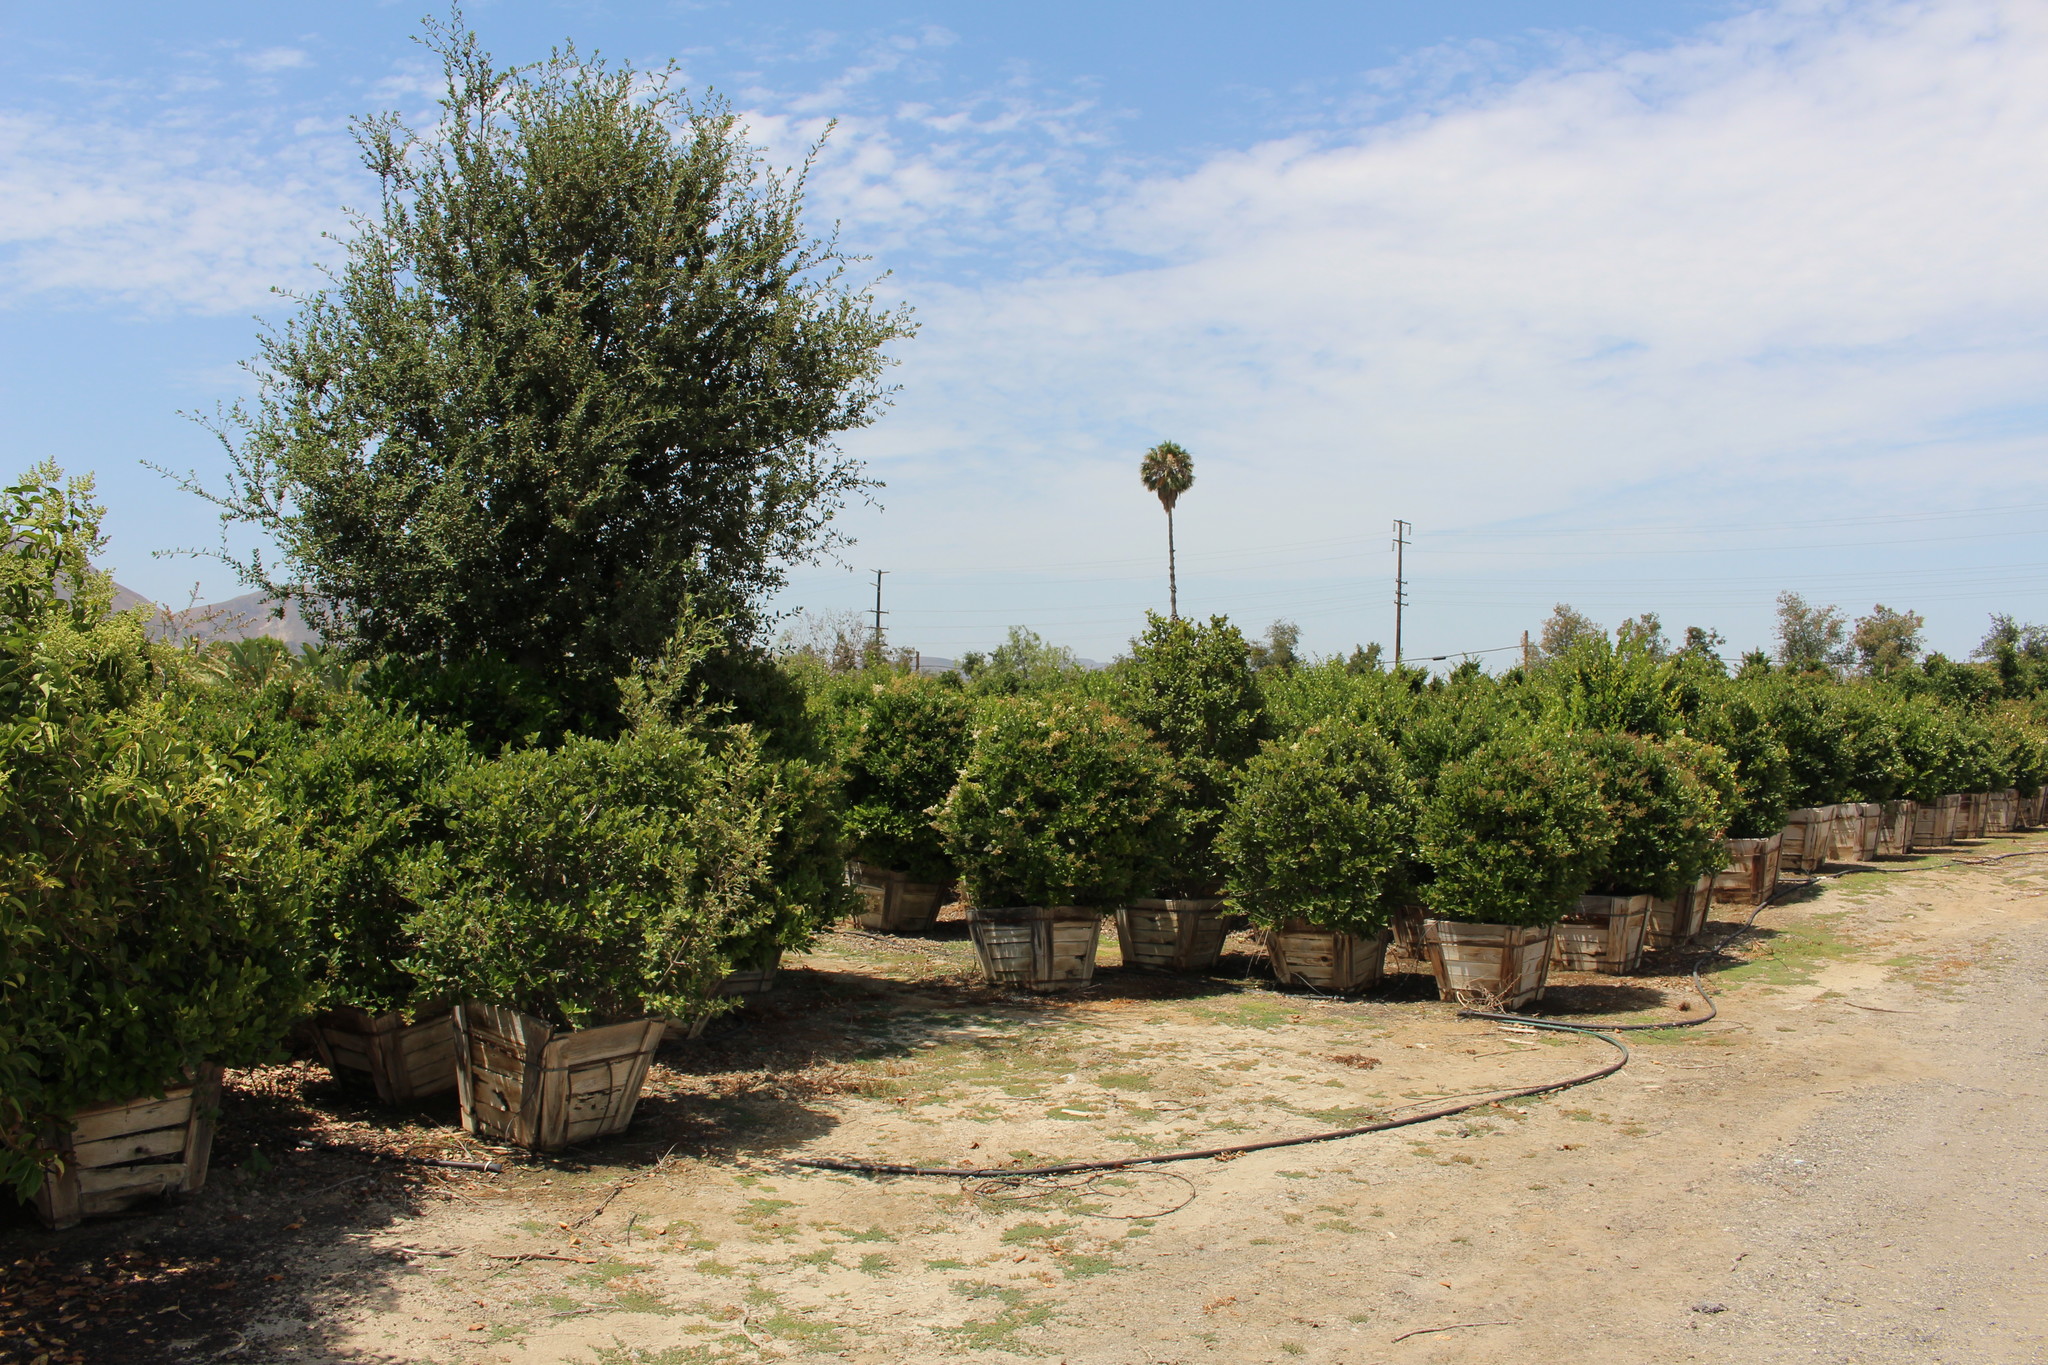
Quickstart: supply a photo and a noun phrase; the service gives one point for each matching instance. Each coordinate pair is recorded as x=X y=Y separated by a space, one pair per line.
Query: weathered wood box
x=1038 y=947
x=1305 y=954
x=1934 y=822
x=754 y=979
x=525 y=1083
x=405 y=1061
x=1407 y=926
x=893 y=904
x=1972 y=814
x=111 y=1157
x=1752 y=872
x=1605 y=934
x=2002 y=812
x=1895 y=828
x=1674 y=923
x=1488 y=966
x=1808 y=838
x=1171 y=935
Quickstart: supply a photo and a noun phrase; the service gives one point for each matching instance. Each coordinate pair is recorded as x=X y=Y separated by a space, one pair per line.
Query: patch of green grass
x=1294 y=1175
x=998 y=1333
x=945 y=1265
x=710 y=1267
x=871 y=1235
x=1125 y=1080
x=1025 y=1233
x=1794 y=955
x=756 y=1209
x=641 y=1301
x=875 y=1263
x=604 y=1272
x=1079 y=1265
x=673 y=1355
x=535 y=1225
x=1293 y=1348
x=792 y=1326
x=821 y=1257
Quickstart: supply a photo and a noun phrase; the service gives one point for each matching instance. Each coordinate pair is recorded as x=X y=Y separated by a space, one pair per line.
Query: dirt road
x=1845 y=1166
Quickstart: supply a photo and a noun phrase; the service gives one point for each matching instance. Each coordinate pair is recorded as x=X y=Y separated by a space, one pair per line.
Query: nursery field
x=1845 y=1165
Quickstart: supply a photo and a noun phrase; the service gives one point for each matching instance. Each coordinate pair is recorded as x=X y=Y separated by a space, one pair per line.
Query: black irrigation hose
x=1603 y=1032
x=828 y=1163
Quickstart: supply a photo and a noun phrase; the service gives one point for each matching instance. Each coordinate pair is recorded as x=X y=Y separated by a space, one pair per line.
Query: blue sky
x=1654 y=305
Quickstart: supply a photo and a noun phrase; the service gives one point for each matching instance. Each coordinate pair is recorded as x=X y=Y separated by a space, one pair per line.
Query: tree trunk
x=1172 y=583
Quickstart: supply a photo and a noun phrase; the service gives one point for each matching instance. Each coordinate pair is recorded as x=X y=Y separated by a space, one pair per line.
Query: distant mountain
x=238 y=618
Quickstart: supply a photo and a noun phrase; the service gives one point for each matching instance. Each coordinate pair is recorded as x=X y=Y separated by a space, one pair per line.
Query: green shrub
x=1800 y=710
x=1059 y=804
x=1733 y=722
x=146 y=922
x=354 y=783
x=904 y=743
x=1321 y=829
x=1192 y=687
x=600 y=881
x=1667 y=819
x=1514 y=833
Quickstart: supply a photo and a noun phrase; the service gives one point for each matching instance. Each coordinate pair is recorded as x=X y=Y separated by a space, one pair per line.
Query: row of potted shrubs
x=201 y=851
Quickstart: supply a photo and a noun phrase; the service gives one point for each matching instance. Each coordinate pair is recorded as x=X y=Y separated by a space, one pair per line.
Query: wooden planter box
x=891 y=903
x=1038 y=947
x=1303 y=954
x=1407 y=928
x=1605 y=934
x=1752 y=872
x=2031 y=812
x=405 y=1061
x=1895 y=828
x=1171 y=935
x=524 y=1083
x=873 y=890
x=1809 y=838
x=1673 y=923
x=2002 y=812
x=752 y=980
x=1869 y=825
x=111 y=1157
x=1971 y=813
x=1488 y=966
x=1934 y=822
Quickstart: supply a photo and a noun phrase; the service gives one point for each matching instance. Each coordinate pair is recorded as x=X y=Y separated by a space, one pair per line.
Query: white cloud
x=1786 y=266
x=165 y=217
x=272 y=59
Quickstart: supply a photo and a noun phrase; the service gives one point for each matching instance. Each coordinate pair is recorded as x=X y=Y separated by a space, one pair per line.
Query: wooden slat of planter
x=130 y=1147
x=1604 y=935
x=106 y=1121
x=1490 y=964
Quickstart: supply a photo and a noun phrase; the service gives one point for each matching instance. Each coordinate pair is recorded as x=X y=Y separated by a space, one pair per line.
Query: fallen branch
x=1425 y=1331
x=539 y=1256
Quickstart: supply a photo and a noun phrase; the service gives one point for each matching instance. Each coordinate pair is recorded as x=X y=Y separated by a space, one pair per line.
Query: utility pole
x=875 y=641
x=1401 y=533
x=1527 y=662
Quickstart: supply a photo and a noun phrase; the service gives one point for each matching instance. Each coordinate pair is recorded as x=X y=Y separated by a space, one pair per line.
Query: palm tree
x=1169 y=471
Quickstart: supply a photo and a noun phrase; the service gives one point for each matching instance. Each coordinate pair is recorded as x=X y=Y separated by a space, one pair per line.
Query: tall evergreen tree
x=582 y=368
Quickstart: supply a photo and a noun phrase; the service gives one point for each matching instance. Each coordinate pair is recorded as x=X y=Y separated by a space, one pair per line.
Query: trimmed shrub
x=601 y=881
x=1734 y=723
x=1321 y=828
x=903 y=745
x=354 y=782
x=1060 y=804
x=1667 y=820
x=1192 y=687
x=1515 y=833
x=146 y=920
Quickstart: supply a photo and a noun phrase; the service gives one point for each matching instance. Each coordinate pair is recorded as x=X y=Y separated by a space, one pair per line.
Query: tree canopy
x=581 y=368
